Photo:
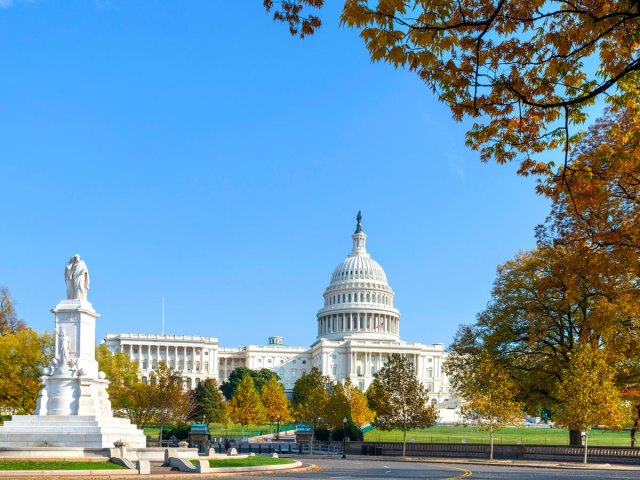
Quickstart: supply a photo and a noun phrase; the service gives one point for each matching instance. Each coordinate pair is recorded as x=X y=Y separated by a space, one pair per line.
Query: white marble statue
x=64 y=347
x=76 y=276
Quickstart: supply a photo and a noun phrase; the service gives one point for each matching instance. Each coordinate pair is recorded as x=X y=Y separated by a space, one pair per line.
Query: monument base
x=86 y=431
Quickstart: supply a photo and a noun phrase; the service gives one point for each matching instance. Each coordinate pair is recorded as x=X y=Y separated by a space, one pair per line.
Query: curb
x=92 y=474
x=508 y=463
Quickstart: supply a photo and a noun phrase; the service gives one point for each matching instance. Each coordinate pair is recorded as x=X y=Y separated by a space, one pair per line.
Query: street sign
x=303 y=428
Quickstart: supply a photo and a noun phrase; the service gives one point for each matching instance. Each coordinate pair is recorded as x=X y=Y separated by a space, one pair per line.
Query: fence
x=526 y=452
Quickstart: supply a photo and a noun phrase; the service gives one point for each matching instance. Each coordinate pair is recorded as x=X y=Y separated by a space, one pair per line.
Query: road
x=360 y=468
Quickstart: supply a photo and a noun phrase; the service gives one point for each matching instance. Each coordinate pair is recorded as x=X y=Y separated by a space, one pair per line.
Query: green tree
x=209 y=405
x=245 y=406
x=588 y=394
x=23 y=355
x=275 y=401
x=260 y=377
x=310 y=399
x=547 y=303
x=121 y=372
x=9 y=321
x=399 y=400
x=489 y=393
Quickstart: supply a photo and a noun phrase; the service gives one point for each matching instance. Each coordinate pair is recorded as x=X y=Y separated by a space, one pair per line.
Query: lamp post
x=278 y=431
x=344 y=437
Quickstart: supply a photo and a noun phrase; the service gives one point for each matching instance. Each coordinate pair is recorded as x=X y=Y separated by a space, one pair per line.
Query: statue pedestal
x=69 y=431
x=73 y=409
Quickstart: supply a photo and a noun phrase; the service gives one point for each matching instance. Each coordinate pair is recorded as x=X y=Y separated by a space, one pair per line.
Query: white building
x=196 y=358
x=357 y=329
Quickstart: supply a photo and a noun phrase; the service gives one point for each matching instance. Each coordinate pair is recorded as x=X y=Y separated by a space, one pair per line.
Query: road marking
x=465 y=473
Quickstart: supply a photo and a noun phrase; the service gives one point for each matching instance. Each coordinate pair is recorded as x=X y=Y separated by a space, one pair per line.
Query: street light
x=278 y=431
x=344 y=437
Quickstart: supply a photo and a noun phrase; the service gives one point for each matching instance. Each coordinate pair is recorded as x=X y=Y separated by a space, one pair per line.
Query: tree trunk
x=634 y=428
x=161 y=435
x=313 y=431
x=404 y=443
x=490 y=442
x=586 y=434
x=575 y=438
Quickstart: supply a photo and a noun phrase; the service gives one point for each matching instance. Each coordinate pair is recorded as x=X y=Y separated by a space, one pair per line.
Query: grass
x=256 y=461
x=508 y=436
x=232 y=431
x=44 y=465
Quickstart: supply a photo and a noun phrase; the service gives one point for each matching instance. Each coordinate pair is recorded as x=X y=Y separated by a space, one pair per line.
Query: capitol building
x=358 y=327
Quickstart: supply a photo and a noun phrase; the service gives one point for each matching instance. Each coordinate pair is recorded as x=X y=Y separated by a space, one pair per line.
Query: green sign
x=303 y=428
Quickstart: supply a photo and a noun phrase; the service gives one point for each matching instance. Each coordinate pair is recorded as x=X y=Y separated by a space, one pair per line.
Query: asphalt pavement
x=356 y=467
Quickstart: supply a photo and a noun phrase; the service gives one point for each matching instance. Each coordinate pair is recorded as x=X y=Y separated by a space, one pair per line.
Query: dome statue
x=358 y=300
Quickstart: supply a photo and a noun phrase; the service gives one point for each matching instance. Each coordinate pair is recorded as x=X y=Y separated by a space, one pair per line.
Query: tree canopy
x=489 y=395
x=545 y=305
x=275 y=401
x=169 y=401
x=245 y=406
x=209 y=402
x=23 y=355
x=588 y=394
x=121 y=372
x=399 y=400
x=259 y=378
x=9 y=321
x=525 y=71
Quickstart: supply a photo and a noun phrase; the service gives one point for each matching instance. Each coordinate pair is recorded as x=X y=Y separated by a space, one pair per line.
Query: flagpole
x=162 y=315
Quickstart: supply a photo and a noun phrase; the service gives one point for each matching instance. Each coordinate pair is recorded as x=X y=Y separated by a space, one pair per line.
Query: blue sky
x=197 y=151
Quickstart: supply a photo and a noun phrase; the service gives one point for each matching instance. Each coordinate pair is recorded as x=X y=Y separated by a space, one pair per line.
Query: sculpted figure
x=64 y=346
x=76 y=276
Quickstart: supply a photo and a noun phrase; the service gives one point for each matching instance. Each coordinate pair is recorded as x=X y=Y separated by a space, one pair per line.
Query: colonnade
x=183 y=358
x=358 y=322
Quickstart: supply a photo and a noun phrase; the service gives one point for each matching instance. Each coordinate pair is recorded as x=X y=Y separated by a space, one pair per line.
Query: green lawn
x=526 y=436
x=43 y=465
x=256 y=461
x=232 y=431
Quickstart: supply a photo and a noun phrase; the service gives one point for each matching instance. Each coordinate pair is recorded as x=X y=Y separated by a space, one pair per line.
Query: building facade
x=357 y=329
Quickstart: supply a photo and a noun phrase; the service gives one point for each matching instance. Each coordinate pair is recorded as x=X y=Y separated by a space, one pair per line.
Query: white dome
x=358 y=267
x=358 y=301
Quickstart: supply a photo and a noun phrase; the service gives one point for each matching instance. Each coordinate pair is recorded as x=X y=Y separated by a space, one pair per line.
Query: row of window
x=171 y=365
x=269 y=360
x=358 y=297
x=158 y=348
x=357 y=322
x=186 y=381
x=358 y=274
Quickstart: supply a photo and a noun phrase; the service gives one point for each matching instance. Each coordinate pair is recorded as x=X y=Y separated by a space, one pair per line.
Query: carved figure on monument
x=64 y=347
x=76 y=276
